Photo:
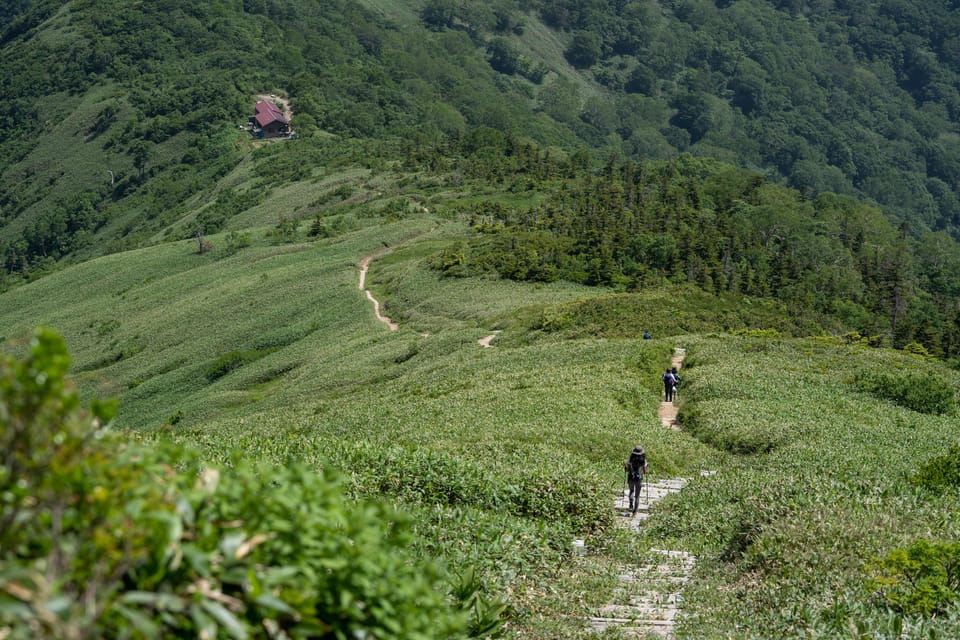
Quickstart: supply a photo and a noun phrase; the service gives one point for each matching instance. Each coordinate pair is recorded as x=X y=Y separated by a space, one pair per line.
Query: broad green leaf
x=223 y=616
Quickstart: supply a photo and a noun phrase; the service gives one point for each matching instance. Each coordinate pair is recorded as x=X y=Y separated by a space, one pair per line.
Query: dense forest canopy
x=728 y=231
x=849 y=97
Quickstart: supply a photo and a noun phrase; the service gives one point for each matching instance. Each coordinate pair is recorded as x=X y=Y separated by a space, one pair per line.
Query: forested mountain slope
x=110 y=102
x=120 y=129
x=834 y=95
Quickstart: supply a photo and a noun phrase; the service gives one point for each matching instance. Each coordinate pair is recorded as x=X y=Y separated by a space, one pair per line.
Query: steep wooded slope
x=121 y=128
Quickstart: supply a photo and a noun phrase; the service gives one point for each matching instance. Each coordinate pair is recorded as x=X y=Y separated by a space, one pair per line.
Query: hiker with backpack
x=669 y=385
x=636 y=468
x=676 y=382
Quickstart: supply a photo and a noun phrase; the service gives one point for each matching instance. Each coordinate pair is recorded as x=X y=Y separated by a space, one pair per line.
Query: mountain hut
x=269 y=121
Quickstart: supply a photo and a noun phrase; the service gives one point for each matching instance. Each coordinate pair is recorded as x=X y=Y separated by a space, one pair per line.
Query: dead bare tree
x=204 y=246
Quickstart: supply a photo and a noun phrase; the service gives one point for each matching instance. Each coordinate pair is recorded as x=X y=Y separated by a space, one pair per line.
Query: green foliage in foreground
x=422 y=476
x=101 y=538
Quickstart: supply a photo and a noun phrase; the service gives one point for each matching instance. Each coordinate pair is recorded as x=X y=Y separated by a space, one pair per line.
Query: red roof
x=267 y=112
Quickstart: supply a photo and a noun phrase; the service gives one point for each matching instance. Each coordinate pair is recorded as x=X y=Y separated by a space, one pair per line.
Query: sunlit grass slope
x=505 y=454
x=468 y=438
x=146 y=325
x=820 y=488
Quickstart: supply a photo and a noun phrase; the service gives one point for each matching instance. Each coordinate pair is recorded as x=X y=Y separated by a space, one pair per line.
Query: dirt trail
x=487 y=340
x=364 y=267
x=668 y=410
x=649 y=597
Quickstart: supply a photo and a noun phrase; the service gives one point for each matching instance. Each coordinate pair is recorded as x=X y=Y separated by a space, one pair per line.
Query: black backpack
x=635 y=465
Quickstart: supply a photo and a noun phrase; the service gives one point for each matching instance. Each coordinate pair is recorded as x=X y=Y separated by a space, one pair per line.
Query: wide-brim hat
x=638 y=449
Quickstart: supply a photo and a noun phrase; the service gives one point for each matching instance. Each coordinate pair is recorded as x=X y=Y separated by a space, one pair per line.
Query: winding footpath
x=485 y=342
x=649 y=596
x=364 y=267
x=668 y=410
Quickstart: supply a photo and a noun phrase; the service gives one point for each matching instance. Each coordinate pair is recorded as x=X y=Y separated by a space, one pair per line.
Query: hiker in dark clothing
x=646 y=335
x=676 y=381
x=636 y=468
x=669 y=383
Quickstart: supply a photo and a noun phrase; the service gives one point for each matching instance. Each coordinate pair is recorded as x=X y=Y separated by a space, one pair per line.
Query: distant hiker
x=646 y=334
x=636 y=467
x=669 y=384
x=676 y=381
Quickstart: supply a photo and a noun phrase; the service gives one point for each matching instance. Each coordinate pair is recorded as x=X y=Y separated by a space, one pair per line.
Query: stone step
x=671 y=553
x=630 y=628
x=644 y=613
x=666 y=578
x=603 y=620
x=657 y=598
x=664 y=571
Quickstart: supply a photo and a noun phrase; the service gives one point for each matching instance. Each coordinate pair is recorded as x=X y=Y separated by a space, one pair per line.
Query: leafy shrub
x=286 y=229
x=439 y=478
x=924 y=393
x=940 y=472
x=451 y=261
x=755 y=514
x=235 y=242
x=281 y=337
x=923 y=578
x=757 y=333
x=344 y=191
x=104 y=538
x=916 y=349
x=318 y=229
x=739 y=438
x=412 y=350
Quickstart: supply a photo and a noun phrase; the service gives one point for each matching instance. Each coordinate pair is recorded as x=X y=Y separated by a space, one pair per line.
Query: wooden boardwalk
x=649 y=596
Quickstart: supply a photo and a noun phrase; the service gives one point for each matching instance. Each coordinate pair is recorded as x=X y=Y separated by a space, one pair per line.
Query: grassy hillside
x=793 y=527
x=266 y=345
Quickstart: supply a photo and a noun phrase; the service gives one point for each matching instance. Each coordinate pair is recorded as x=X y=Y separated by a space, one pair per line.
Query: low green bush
x=104 y=538
x=921 y=392
x=739 y=438
x=923 y=578
x=423 y=476
x=940 y=472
